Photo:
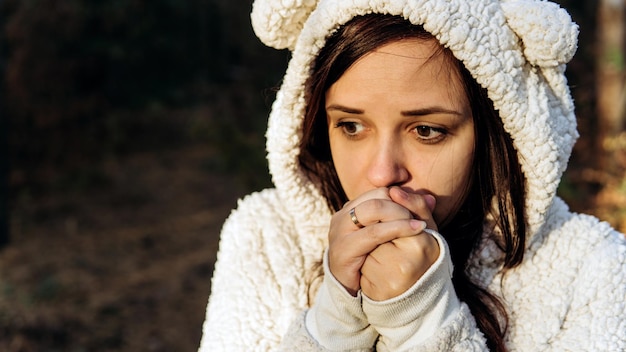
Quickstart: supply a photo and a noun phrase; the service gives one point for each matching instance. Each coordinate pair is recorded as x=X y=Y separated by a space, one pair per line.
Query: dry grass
x=123 y=268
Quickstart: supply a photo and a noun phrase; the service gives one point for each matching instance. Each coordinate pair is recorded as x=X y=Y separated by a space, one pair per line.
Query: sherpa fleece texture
x=569 y=293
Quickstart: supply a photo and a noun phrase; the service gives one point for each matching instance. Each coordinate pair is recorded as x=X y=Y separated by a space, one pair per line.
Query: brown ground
x=125 y=267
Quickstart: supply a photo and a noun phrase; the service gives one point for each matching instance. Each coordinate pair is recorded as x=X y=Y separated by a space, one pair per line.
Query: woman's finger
x=420 y=205
x=347 y=253
x=396 y=266
x=377 y=210
x=362 y=242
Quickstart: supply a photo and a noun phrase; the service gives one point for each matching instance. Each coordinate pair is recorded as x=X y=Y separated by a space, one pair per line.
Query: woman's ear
x=549 y=36
x=278 y=23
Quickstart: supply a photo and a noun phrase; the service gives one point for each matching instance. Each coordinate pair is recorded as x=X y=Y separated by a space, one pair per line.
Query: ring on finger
x=354 y=219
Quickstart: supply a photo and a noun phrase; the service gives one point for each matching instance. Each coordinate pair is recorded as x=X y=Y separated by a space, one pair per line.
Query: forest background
x=128 y=129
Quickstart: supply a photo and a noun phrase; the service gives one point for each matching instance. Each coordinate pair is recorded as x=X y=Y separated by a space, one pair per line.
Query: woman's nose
x=387 y=166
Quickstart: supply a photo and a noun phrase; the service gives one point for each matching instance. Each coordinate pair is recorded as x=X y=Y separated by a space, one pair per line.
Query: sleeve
x=336 y=320
x=252 y=293
x=427 y=317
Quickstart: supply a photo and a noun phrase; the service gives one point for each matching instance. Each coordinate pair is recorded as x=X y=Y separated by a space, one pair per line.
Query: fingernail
x=430 y=201
x=417 y=225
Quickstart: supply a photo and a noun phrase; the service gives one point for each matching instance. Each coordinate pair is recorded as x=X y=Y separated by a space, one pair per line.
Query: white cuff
x=336 y=319
x=417 y=314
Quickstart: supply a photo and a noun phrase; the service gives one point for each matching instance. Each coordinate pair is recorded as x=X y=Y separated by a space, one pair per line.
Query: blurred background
x=129 y=128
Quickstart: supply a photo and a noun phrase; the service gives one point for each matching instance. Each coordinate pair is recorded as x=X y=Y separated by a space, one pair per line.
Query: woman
x=416 y=147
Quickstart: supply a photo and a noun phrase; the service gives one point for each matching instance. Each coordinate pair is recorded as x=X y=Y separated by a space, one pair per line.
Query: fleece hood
x=516 y=49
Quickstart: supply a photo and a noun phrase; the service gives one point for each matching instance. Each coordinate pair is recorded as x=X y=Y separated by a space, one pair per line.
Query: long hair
x=497 y=184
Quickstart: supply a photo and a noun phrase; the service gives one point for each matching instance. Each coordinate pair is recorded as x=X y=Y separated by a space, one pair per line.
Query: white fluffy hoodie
x=568 y=294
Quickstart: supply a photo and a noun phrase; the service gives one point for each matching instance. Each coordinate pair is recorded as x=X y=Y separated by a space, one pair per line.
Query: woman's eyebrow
x=344 y=109
x=430 y=111
x=415 y=112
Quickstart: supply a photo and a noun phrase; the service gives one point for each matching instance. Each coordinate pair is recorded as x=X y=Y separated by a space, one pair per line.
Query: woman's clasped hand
x=391 y=251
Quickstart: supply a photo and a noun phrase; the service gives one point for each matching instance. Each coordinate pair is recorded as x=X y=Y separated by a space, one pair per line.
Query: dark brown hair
x=497 y=185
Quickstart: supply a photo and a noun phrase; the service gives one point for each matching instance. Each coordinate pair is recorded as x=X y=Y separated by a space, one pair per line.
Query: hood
x=516 y=49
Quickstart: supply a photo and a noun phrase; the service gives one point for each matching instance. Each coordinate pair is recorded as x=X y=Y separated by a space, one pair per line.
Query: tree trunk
x=4 y=159
x=4 y=177
x=611 y=75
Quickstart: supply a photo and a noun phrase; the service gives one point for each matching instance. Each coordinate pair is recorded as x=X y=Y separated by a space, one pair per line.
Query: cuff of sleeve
x=417 y=314
x=336 y=319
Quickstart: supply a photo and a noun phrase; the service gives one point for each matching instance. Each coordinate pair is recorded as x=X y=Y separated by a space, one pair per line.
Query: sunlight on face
x=399 y=116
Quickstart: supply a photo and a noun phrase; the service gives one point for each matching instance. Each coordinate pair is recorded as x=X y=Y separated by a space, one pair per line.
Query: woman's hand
x=383 y=220
x=394 y=266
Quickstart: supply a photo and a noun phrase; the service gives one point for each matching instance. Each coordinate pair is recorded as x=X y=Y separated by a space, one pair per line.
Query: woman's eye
x=429 y=133
x=350 y=128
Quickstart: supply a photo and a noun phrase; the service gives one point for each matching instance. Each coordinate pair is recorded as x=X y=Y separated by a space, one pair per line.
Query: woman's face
x=400 y=117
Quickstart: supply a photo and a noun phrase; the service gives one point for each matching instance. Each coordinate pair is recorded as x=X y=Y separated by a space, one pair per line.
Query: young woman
x=416 y=148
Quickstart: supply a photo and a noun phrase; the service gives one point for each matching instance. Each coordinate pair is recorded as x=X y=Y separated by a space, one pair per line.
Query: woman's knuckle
x=376 y=205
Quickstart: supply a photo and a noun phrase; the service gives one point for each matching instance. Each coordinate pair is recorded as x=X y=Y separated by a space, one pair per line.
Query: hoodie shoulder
x=259 y=274
x=574 y=273
x=261 y=206
x=259 y=224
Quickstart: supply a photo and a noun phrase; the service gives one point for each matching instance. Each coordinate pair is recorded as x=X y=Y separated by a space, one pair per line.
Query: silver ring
x=354 y=219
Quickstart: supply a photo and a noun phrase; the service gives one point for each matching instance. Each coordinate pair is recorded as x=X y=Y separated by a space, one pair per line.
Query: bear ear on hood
x=278 y=23
x=548 y=34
